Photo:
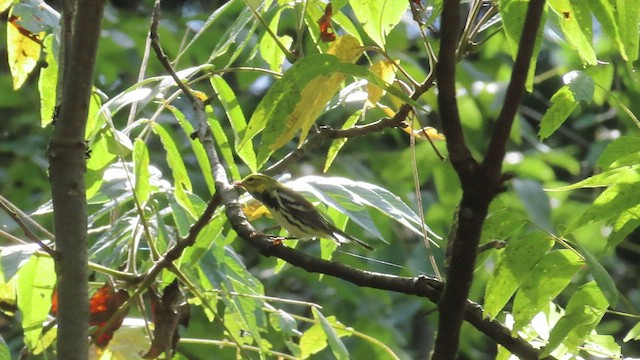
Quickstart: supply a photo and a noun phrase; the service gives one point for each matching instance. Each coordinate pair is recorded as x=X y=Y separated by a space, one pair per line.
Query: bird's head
x=257 y=183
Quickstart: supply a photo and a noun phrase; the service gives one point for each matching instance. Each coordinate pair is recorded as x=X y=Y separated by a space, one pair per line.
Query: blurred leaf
x=23 y=52
x=378 y=18
x=563 y=104
x=545 y=281
x=600 y=275
x=536 y=201
x=512 y=267
x=335 y=344
x=5 y=354
x=584 y=311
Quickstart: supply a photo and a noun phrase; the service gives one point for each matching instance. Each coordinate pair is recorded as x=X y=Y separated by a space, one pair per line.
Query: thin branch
x=446 y=73
x=515 y=90
x=8 y=208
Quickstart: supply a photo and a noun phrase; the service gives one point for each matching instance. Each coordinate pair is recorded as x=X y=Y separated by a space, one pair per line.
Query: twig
x=8 y=208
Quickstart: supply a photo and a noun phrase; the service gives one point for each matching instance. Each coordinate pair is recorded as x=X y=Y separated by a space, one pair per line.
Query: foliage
x=564 y=281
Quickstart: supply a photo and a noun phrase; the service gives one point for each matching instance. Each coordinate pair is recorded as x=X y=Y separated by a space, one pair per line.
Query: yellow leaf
x=425 y=133
x=4 y=4
x=23 y=55
x=317 y=92
x=253 y=209
x=386 y=70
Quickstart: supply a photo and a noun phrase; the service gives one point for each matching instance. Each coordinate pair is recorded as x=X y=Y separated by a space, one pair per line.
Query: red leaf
x=102 y=306
x=326 y=29
x=168 y=312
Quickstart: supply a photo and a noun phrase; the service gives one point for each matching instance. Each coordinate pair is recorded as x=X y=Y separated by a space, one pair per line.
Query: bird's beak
x=238 y=184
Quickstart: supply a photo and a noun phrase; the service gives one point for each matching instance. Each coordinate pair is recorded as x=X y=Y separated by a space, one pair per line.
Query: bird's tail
x=344 y=238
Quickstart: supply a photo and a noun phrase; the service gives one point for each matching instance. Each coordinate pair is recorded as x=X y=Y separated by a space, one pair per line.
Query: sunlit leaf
x=23 y=52
x=142 y=188
x=628 y=13
x=47 y=83
x=563 y=103
x=584 y=311
x=35 y=282
x=611 y=202
x=337 y=144
x=545 y=281
x=512 y=267
x=575 y=22
x=236 y=117
x=378 y=18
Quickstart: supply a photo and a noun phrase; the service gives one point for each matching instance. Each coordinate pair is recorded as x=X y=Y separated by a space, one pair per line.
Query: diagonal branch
x=515 y=90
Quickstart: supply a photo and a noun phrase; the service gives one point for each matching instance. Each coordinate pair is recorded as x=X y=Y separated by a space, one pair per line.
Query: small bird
x=292 y=211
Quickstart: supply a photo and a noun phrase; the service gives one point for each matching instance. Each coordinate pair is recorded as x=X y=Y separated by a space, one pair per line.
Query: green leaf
x=613 y=201
x=337 y=144
x=341 y=193
x=312 y=341
x=512 y=267
x=14 y=257
x=237 y=120
x=23 y=54
x=545 y=281
x=198 y=150
x=624 y=175
x=603 y=10
x=174 y=158
x=222 y=143
x=535 y=201
x=628 y=14
x=269 y=49
x=633 y=334
x=273 y=113
x=35 y=283
x=142 y=187
x=584 y=311
x=580 y=84
x=600 y=275
x=575 y=22
x=624 y=147
x=5 y=354
x=563 y=104
x=378 y=18
x=47 y=84
x=335 y=344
